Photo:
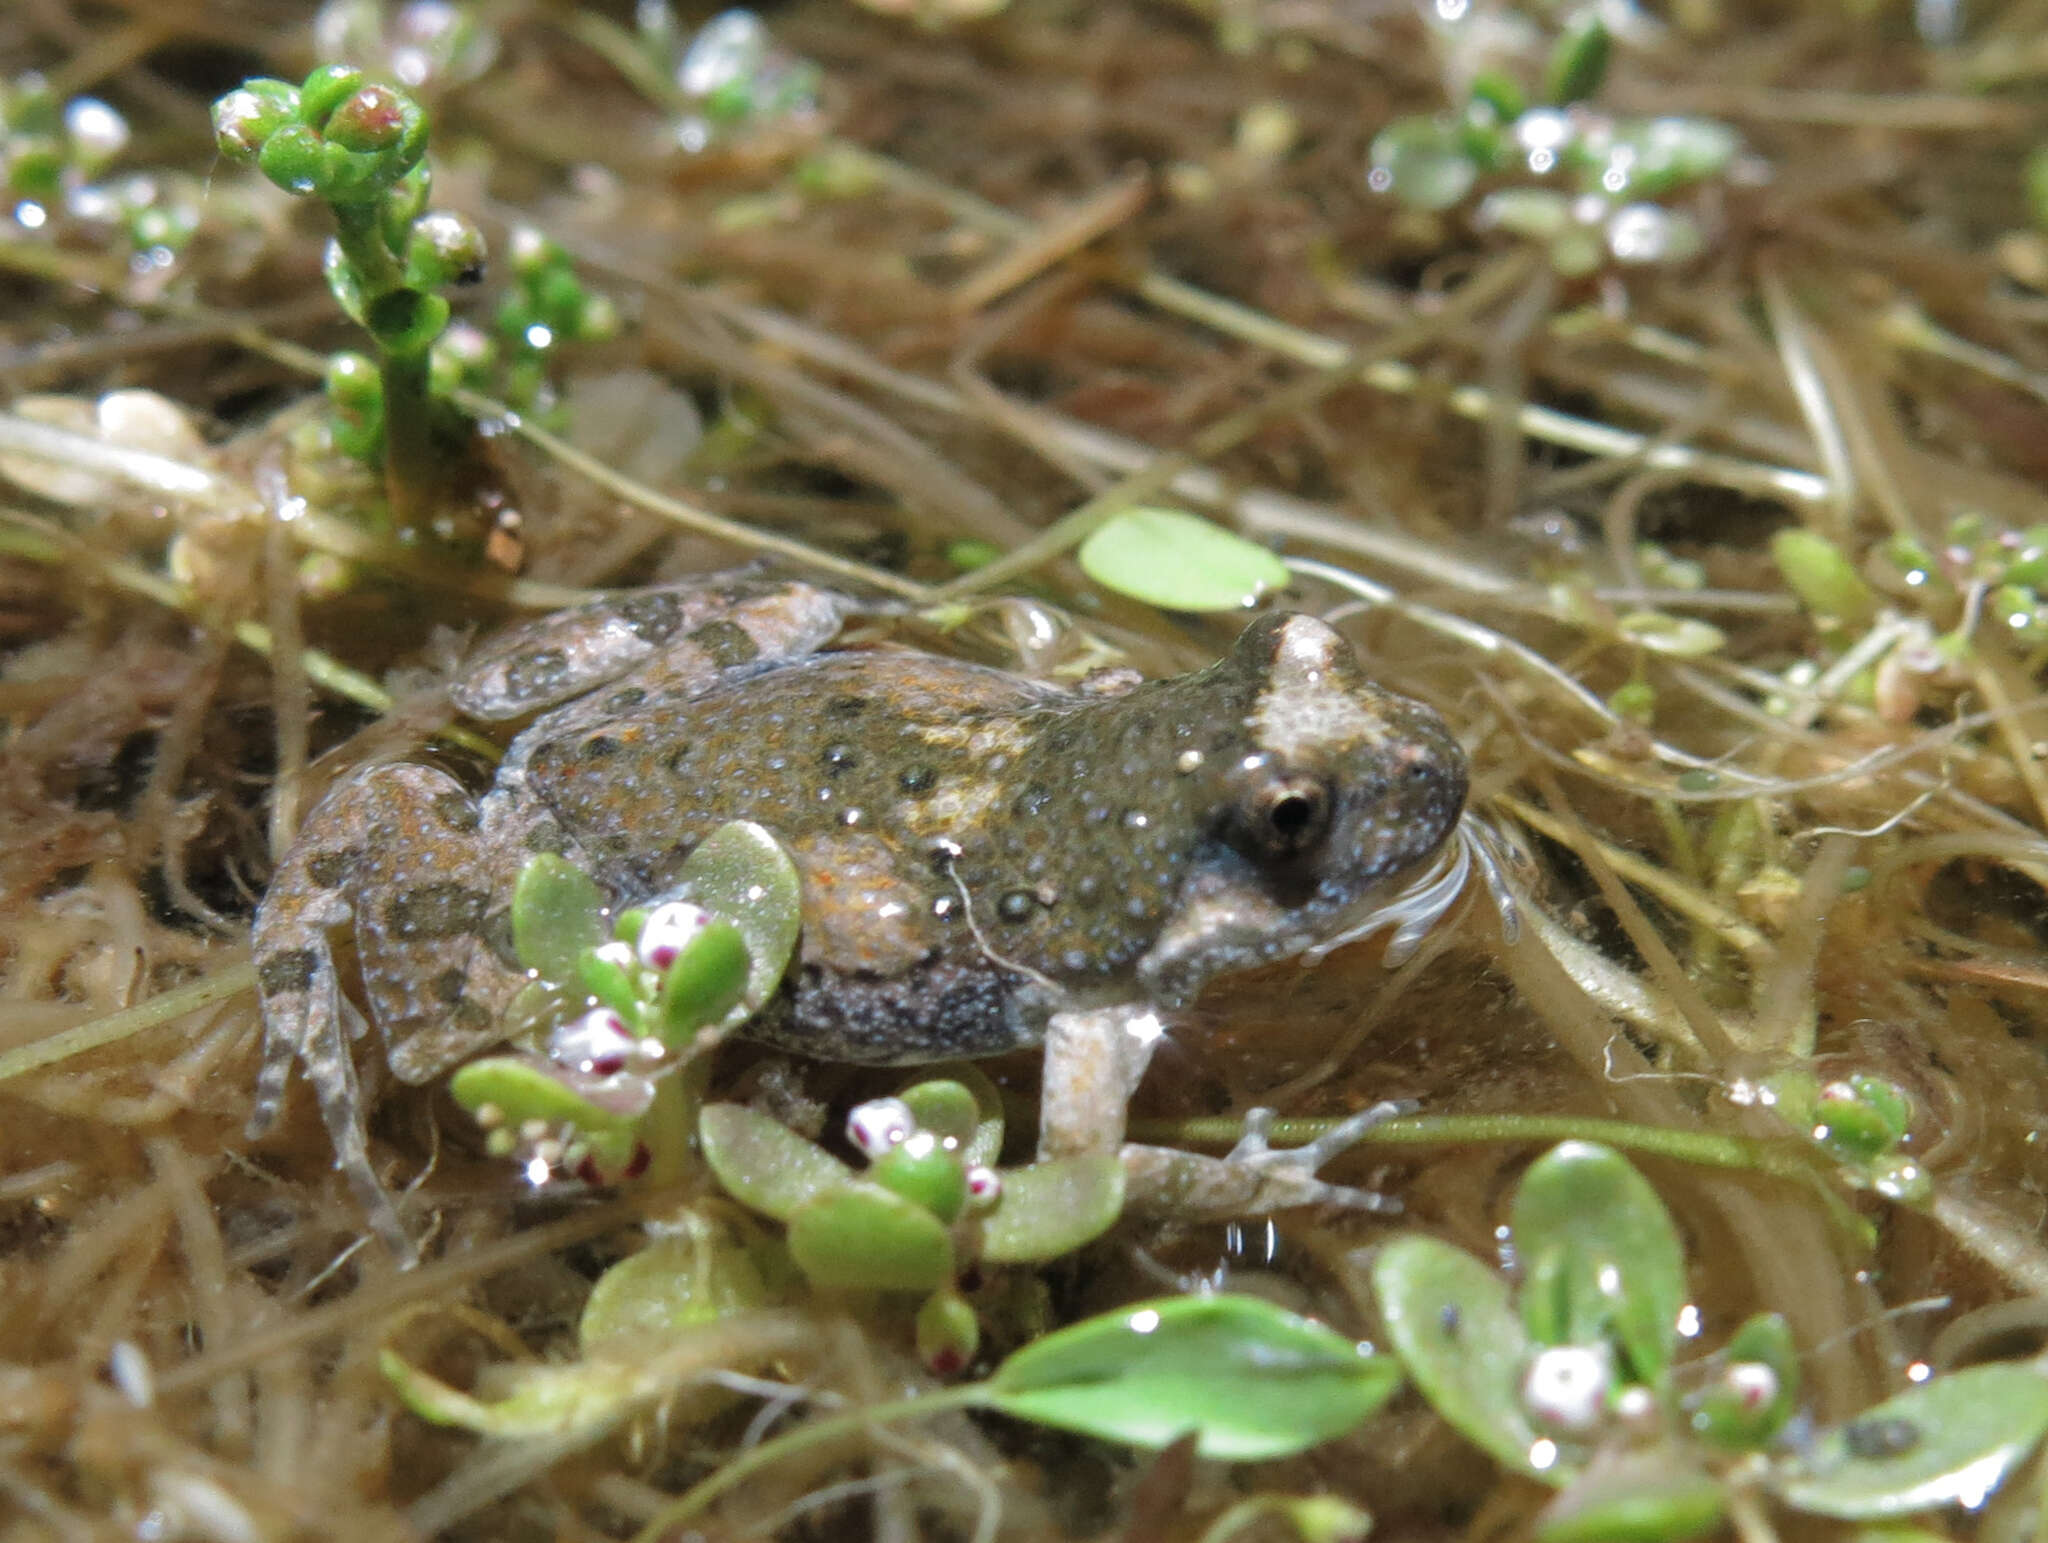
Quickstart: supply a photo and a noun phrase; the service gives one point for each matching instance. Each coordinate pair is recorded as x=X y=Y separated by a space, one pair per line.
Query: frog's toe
x=1294 y=1171
x=1255 y=1178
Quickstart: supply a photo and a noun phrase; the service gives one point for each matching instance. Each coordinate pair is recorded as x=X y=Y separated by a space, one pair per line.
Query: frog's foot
x=1255 y=1177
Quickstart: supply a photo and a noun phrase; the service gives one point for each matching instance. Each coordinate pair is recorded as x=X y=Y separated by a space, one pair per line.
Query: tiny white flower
x=598 y=1043
x=1566 y=1386
x=984 y=1187
x=668 y=930
x=880 y=1125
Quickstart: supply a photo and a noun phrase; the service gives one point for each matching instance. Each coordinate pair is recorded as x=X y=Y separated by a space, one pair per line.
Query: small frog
x=989 y=862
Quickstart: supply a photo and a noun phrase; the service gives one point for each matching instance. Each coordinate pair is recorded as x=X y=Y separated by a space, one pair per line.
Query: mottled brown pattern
x=979 y=851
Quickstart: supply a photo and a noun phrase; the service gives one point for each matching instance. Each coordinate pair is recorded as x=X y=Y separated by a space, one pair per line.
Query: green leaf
x=557 y=912
x=1758 y=1387
x=1449 y=1319
x=1600 y=1257
x=538 y=1400
x=1579 y=61
x=1825 y=581
x=1248 y=1379
x=764 y=1164
x=2033 y=182
x=708 y=977
x=1423 y=163
x=945 y=1107
x=704 y=1269
x=1540 y=214
x=1179 y=562
x=1052 y=1208
x=1950 y=1441
x=1680 y=637
x=1653 y=156
x=924 y=1173
x=504 y=1092
x=740 y=874
x=862 y=1237
x=1641 y=1497
x=985 y=1143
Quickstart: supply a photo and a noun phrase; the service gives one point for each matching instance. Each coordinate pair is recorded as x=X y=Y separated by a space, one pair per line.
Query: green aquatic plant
x=360 y=148
x=1588 y=188
x=619 y=1004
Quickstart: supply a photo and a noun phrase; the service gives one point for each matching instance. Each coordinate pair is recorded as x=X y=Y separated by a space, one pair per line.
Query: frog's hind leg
x=432 y=939
x=306 y=1018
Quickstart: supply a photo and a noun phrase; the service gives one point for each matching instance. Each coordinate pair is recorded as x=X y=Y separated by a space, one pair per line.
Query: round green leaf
x=740 y=874
x=1823 y=578
x=1757 y=1389
x=944 y=1107
x=984 y=1144
x=557 y=912
x=1248 y=1379
x=1681 y=637
x=1052 y=1208
x=763 y=1164
x=702 y=1271
x=1423 y=163
x=1950 y=1441
x=1600 y=1257
x=1643 y=1497
x=861 y=1237
x=1178 y=562
x=924 y=1173
x=1541 y=214
x=1449 y=1319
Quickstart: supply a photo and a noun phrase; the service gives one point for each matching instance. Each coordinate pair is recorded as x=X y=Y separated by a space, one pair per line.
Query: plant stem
x=415 y=477
x=357 y=232
x=669 y=1518
x=671 y=1121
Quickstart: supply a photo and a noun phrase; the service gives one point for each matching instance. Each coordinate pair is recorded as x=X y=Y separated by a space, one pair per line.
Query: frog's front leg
x=1094 y=1061
x=392 y=857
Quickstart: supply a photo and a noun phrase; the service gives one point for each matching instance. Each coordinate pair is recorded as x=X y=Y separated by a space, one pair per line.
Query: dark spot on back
x=598 y=747
x=436 y=911
x=547 y=836
x=846 y=706
x=496 y=932
x=918 y=779
x=537 y=673
x=447 y=986
x=838 y=758
x=456 y=811
x=470 y=1017
x=330 y=870
x=727 y=643
x=292 y=970
x=675 y=758
x=624 y=701
x=653 y=618
x=1017 y=905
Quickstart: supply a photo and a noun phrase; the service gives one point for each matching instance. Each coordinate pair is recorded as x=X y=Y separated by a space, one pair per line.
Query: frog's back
x=864 y=765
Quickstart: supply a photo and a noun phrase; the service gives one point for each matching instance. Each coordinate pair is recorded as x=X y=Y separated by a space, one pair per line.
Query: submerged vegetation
x=1656 y=392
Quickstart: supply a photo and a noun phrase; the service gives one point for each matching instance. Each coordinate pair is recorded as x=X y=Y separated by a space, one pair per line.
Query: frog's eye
x=1286 y=815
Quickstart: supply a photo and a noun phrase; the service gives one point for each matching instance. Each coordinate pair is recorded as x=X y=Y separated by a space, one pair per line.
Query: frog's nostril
x=1293 y=815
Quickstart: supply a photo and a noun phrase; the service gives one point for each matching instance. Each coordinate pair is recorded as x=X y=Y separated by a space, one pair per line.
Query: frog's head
x=1337 y=798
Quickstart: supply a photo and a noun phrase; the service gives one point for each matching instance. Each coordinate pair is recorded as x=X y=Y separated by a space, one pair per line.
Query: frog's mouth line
x=1414 y=911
